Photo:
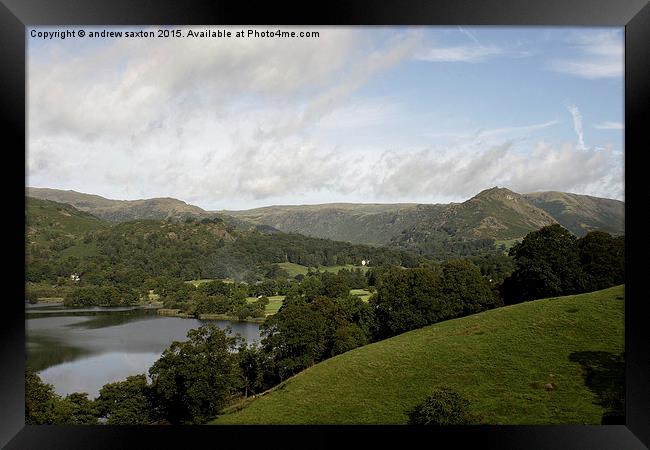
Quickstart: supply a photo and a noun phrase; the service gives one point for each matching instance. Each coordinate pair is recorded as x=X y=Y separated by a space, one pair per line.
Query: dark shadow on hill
x=604 y=375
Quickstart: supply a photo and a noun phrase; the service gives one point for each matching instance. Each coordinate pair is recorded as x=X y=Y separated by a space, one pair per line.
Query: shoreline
x=176 y=313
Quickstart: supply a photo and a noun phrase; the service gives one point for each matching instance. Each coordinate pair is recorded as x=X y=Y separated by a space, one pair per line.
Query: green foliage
x=443 y=407
x=312 y=325
x=193 y=379
x=494 y=266
x=126 y=402
x=603 y=259
x=440 y=245
x=412 y=298
x=462 y=284
x=295 y=338
x=40 y=400
x=44 y=407
x=408 y=299
x=101 y=296
x=76 y=409
x=547 y=264
x=252 y=368
x=348 y=337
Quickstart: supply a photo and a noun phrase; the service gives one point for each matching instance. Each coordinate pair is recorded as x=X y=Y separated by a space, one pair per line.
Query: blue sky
x=359 y=114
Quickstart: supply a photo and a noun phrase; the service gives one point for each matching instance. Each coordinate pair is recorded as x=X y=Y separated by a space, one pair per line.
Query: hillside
x=359 y=223
x=500 y=360
x=120 y=210
x=581 y=213
x=472 y=227
x=63 y=240
x=495 y=214
x=50 y=222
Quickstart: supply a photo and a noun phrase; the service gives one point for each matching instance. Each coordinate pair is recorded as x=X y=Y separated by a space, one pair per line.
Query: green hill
x=500 y=360
x=582 y=213
x=63 y=240
x=120 y=210
x=495 y=214
x=48 y=223
x=359 y=223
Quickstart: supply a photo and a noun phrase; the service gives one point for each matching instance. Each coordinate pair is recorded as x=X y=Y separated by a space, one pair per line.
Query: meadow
x=522 y=364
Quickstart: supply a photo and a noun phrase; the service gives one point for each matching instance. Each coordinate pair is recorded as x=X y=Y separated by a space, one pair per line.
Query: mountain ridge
x=494 y=214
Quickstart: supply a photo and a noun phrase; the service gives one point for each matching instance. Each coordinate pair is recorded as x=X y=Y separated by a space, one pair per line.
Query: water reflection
x=80 y=351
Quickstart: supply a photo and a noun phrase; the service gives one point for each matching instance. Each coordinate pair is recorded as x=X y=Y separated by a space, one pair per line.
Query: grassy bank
x=501 y=360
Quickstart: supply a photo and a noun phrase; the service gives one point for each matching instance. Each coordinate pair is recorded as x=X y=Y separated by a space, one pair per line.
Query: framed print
x=257 y=223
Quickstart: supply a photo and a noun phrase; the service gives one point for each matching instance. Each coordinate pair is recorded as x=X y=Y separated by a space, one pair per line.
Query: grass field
x=274 y=303
x=296 y=269
x=293 y=269
x=197 y=283
x=500 y=360
x=363 y=294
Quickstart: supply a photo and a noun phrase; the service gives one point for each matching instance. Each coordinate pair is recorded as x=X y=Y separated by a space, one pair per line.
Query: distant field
x=500 y=360
x=335 y=269
x=293 y=269
x=361 y=293
x=296 y=269
x=274 y=303
x=207 y=280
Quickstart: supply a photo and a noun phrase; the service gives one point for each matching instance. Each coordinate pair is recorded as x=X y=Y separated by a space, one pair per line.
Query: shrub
x=443 y=407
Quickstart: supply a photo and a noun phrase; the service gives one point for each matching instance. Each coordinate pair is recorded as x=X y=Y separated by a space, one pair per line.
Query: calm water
x=81 y=349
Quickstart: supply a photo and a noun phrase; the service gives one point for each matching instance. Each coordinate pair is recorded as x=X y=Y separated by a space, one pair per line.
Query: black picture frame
x=16 y=15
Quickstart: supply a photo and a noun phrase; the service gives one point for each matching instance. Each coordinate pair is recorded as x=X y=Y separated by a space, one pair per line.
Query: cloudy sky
x=358 y=114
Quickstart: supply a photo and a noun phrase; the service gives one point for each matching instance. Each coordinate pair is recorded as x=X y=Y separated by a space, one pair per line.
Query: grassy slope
x=497 y=359
x=44 y=215
x=296 y=269
x=582 y=213
x=275 y=302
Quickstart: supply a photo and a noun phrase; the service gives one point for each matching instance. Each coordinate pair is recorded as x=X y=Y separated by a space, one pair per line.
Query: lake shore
x=177 y=313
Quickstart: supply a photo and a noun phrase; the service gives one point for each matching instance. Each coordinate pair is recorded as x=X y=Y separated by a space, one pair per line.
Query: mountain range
x=496 y=214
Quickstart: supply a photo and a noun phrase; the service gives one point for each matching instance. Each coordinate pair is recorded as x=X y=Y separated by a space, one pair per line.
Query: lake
x=81 y=349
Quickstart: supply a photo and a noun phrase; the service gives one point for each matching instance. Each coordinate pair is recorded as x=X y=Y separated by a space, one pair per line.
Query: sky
x=357 y=114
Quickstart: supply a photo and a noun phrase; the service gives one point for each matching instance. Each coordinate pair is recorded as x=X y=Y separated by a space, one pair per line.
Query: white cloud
x=459 y=53
x=235 y=124
x=169 y=78
x=519 y=130
x=599 y=55
x=577 y=125
x=609 y=126
x=459 y=173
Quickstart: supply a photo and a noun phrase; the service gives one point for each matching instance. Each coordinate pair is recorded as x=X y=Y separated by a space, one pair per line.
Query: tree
x=216 y=287
x=603 y=259
x=76 y=409
x=251 y=364
x=407 y=299
x=193 y=379
x=126 y=402
x=334 y=285
x=547 y=264
x=348 y=337
x=44 y=407
x=295 y=338
x=40 y=400
x=443 y=407
x=465 y=289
